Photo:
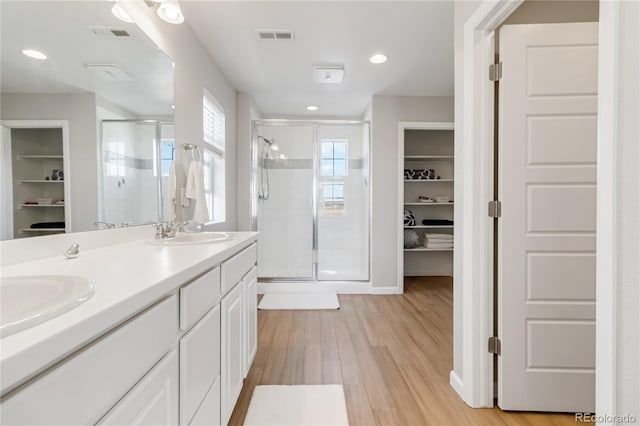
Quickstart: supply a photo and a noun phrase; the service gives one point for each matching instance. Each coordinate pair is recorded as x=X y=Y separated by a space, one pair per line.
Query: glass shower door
x=284 y=186
x=343 y=202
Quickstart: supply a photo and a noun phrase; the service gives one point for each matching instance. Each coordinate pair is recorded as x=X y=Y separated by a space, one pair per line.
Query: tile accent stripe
x=303 y=163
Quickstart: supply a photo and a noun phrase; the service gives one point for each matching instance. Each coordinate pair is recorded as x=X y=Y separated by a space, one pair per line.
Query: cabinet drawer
x=199 y=363
x=153 y=401
x=85 y=386
x=235 y=268
x=209 y=412
x=198 y=296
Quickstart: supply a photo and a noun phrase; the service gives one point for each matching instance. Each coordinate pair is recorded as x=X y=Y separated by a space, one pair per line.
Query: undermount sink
x=187 y=238
x=30 y=300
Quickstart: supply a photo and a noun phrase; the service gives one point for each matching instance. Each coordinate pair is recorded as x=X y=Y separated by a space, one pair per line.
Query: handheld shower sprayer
x=264 y=173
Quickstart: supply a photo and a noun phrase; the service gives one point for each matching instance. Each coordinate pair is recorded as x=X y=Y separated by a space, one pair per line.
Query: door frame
x=402 y=126
x=474 y=180
x=66 y=155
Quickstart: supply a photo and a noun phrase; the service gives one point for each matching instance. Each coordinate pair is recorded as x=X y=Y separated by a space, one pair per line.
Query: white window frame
x=214 y=138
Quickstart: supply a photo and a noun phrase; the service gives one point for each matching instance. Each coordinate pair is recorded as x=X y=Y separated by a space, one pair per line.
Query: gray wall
x=386 y=112
x=556 y=11
x=194 y=71
x=80 y=111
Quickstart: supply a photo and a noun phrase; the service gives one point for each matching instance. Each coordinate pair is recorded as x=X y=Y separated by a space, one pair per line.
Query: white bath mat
x=299 y=301
x=297 y=405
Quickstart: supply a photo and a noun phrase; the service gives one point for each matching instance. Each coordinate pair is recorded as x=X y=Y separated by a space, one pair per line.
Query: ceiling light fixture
x=121 y=14
x=169 y=11
x=312 y=108
x=35 y=54
x=378 y=58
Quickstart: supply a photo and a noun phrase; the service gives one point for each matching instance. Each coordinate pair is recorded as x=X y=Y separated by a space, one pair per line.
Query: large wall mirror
x=87 y=119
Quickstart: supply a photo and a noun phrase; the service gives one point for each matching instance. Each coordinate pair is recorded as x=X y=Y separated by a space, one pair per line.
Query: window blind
x=213 y=124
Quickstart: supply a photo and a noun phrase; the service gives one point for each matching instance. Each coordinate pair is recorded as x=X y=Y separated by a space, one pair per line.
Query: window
x=333 y=157
x=166 y=155
x=334 y=166
x=213 y=129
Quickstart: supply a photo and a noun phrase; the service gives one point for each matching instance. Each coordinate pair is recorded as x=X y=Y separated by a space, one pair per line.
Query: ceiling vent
x=108 y=31
x=109 y=72
x=275 y=34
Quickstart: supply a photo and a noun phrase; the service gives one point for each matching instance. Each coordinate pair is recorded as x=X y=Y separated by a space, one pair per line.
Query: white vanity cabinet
x=180 y=361
x=81 y=389
x=235 y=318
x=250 y=300
x=153 y=401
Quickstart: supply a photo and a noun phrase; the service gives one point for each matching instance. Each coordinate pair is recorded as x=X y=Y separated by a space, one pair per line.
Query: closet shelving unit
x=425 y=145
x=36 y=152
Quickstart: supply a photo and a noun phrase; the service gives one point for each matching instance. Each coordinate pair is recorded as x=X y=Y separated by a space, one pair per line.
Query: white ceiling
x=59 y=29
x=416 y=35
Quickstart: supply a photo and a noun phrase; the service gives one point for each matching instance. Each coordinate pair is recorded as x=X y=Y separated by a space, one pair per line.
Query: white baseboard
x=340 y=287
x=386 y=290
x=456 y=384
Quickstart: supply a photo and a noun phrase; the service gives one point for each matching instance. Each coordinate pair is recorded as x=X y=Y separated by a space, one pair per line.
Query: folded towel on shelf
x=438 y=237
x=195 y=191
x=429 y=244
x=170 y=194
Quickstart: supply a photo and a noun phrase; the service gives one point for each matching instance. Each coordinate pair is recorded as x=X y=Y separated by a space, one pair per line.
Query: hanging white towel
x=170 y=194
x=195 y=191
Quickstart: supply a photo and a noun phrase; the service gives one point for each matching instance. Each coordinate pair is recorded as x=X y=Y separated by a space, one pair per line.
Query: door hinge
x=494 y=345
x=495 y=209
x=495 y=71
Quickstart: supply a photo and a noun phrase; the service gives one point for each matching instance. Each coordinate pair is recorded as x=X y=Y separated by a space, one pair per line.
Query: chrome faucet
x=73 y=251
x=108 y=225
x=169 y=229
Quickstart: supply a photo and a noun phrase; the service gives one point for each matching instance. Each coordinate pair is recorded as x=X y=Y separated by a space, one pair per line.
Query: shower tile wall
x=129 y=182
x=286 y=219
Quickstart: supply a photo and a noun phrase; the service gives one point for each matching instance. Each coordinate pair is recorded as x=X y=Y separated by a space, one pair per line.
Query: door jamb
x=476 y=253
x=477 y=387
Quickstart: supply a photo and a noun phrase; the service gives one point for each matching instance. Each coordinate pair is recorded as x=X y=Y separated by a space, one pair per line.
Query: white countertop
x=127 y=277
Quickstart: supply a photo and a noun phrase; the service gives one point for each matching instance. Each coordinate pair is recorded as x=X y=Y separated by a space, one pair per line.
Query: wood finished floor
x=393 y=354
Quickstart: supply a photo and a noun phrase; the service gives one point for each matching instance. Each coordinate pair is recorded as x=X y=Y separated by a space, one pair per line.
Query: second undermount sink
x=183 y=239
x=26 y=301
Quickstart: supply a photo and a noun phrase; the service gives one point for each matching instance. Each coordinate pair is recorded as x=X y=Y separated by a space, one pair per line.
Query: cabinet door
x=232 y=341
x=153 y=401
x=209 y=412
x=250 y=286
x=199 y=363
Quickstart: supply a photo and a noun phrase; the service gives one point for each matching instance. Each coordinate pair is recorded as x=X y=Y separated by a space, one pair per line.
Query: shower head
x=267 y=141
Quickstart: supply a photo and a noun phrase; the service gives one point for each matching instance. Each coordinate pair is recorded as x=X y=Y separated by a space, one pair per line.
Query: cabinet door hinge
x=495 y=71
x=495 y=209
x=494 y=345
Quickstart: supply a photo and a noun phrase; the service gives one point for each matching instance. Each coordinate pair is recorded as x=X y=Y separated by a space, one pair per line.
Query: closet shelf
x=428 y=180
x=429 y=249
x=429 y=227
x=428 y=157
x=41 y=181
x=41 y=205
x=42 y=230
x=41 y=157
x=429 y=204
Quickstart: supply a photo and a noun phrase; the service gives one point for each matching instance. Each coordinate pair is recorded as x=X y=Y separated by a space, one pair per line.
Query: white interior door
x=6 y=185
x=547 y=185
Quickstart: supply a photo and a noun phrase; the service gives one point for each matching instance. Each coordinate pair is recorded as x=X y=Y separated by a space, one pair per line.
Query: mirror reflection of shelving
x=38 y=181
x=428 y=194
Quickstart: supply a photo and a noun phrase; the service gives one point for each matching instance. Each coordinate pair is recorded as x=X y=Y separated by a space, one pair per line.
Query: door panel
x=546 y=252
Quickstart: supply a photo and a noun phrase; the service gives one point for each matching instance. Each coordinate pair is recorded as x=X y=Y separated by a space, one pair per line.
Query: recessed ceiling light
x=121 y=14
x=312 y=108
x=378 y=58
x=34 y=54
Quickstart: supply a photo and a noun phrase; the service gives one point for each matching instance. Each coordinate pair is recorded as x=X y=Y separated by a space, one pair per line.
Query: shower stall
x=135 y=159
x=311 y=200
